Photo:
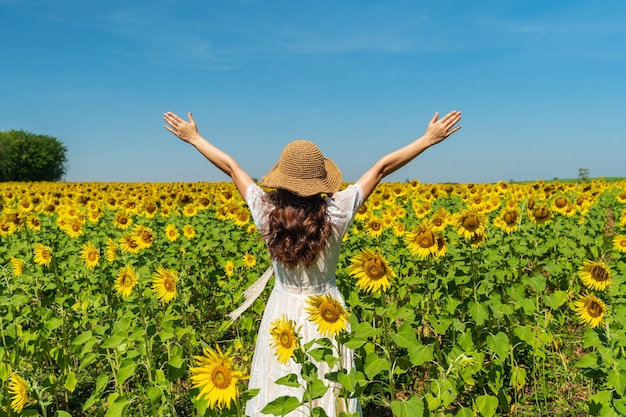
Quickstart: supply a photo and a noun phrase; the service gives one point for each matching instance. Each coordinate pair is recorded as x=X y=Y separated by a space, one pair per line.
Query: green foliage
x=27 y=156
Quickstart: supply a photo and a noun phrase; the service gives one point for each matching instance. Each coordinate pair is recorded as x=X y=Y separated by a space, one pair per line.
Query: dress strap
x=252 y=293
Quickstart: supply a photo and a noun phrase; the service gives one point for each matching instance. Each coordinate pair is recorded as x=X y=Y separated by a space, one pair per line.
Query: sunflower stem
x=392 y=394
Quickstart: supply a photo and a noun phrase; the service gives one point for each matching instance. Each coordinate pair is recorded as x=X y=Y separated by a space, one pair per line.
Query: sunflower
x=540 y=214
x=242 y=218
x=164 y=284
x=469 y=222
x=373 y=227
x=252 y=229
x=18 y=267
x=19 y=390
x=327 y=313
x=284 y=338
x=74 y=227
x=216 y=377
x=399 y=229
x=229 y=268
x=477 y=240
x=122 y=220
x=508 y=219
x=6 y=228
x=190 y=210
x=90 y=255
x=111 y=250
x=439 y=220
x=619 y=243
x=43 y=254
x=362 y=213
x=171 y=233
x=128 y=243
x=595 y=275
x=125 y=281
x=249 y=260
x=144 y=236
x=422 y=240
x=33 y=223
x=188 y=231
x=371 y=270
x=590 y=310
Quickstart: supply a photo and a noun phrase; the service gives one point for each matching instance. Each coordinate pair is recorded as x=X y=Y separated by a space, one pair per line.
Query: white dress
x=289 y=297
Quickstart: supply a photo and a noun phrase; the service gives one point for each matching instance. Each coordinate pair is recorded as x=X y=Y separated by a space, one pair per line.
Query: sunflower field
x=461 y=300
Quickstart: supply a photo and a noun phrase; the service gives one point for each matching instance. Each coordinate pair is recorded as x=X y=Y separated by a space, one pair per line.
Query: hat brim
x=305 y=187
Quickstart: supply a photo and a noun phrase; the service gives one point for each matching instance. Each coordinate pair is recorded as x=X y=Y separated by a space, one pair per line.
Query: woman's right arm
x=188 y=132
x=437 y=131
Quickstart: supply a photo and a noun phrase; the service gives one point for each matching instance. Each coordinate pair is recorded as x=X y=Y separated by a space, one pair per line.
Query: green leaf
x=413 y=407
x=127 y=369
x=61 y=413
x=290 y=380
x=281 y=406
x=499 y=344
x=556 y=299
x=487 y=405
x=421 y=354
x=318 y=388
x=405 y=338
x=116 y=409
x=617 y=379
x=478 y=311
x=374 y=365
x=590 y=360
x=70 y=381
x=115 y=340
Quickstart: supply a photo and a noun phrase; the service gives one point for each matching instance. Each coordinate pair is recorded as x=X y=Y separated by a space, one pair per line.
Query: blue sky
x=541 y=84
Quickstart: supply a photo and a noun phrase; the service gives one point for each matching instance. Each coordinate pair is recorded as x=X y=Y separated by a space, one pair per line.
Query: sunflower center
x=374 y=269
x=221 y=377
x=426 y=239
x=169 y=284
x=560 y=202
x=541 y=212
x=470 y=223
x=599 y=273
x=438 y=221
x=286 y=339
x=329 y=312
x=92 y=256
x=127 y=281
x=510 y=218
x=594 y=309
x=375 y=226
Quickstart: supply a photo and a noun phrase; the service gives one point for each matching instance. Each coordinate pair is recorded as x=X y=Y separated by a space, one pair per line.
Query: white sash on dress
x=252 y=293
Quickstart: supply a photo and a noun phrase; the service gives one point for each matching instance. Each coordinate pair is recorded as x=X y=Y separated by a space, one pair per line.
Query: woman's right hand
x=185 y=130
x=438 y=130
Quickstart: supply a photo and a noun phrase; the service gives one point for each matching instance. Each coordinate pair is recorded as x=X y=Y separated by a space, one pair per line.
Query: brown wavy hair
x=298 y=228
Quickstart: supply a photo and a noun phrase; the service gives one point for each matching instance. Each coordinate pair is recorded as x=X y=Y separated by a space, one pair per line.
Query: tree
x=583 y=174
x=26 y=156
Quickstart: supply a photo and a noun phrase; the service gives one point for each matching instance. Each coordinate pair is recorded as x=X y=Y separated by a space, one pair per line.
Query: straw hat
x=303 y=170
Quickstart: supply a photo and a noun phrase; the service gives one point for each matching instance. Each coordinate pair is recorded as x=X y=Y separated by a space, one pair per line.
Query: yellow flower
x=371 y=270
x=128 y=243
x=423 y=241
x=285 y=341
x=590 y=310
x=33 y=223
x=216 y=377
x=242 y=217
x=508 y=219
x=164 y=284
x=19 y=390
x=469 y=223
x=90 y=255
x=439 y=220
x=619 y=243
x=249 y=260
x=540 y=214
x=595 y=275
x=18 y=267
x=144 y=236
x=122 y=220
x=189 y=232
x=125 y=281
x=252 y=229
x=43 y=254
x=229 y=268
x=190 y=210
x=171 y=232
x=327 y=313
x=74 y=227
x=373 y=226
x=111 y=250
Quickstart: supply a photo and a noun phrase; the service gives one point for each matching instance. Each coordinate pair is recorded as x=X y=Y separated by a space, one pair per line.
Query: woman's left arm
x=188 y=132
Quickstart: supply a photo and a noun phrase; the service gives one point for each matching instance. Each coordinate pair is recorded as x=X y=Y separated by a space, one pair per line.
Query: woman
x=303 y=222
